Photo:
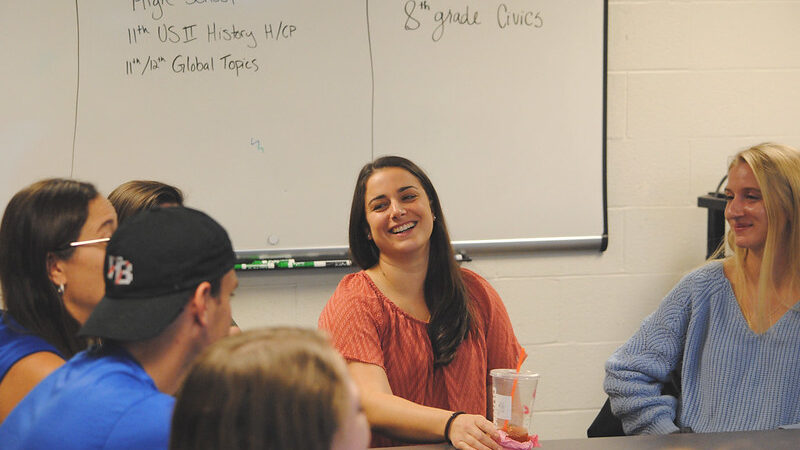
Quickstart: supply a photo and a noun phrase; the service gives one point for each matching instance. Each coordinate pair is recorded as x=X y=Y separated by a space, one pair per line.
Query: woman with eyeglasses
x=52 y=247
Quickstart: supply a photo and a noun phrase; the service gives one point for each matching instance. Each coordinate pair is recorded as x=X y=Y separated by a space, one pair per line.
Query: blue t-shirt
x=100 y=399
x=16 y=343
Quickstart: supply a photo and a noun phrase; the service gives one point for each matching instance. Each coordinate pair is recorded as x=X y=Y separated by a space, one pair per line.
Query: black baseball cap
x=154 y=262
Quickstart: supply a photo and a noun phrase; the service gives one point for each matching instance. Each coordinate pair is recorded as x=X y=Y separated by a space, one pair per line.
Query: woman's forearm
x=404 y=420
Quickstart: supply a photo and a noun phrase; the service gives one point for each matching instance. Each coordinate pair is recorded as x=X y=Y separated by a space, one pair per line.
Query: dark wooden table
x=739 y=440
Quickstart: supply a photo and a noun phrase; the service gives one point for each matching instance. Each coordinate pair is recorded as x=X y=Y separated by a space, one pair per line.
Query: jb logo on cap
x=119 y=270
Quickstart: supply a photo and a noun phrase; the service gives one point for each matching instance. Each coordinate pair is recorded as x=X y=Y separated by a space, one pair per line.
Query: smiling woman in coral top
x=420 y=334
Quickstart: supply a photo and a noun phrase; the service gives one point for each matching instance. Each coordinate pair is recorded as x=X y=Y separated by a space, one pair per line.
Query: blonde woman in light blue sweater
x=730 y=328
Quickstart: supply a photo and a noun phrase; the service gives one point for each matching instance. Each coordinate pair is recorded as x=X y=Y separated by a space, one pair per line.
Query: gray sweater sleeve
x=636 y=372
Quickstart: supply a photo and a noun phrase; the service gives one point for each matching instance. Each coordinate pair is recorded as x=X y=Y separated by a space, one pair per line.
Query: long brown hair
x=38 y=223
x=267 y=389
x=445 y=294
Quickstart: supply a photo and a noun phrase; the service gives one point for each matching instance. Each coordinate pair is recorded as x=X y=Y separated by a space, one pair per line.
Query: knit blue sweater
x=731 y=378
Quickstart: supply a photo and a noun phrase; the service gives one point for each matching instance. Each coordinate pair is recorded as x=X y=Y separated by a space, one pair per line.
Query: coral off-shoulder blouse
x=365 y=326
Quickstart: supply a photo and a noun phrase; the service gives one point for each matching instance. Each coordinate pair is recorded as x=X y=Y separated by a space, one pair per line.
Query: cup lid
x=511 y=373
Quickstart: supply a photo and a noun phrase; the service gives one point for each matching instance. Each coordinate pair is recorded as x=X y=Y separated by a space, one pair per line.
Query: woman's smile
x=398 y=212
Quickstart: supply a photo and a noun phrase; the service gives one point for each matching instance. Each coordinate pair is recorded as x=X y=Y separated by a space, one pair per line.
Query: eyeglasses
x=81 y=243
x=89 y=242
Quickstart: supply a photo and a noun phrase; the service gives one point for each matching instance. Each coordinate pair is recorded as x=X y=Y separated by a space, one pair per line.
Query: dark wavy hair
x=138 y=195
x=39 y=223
x=445 y=294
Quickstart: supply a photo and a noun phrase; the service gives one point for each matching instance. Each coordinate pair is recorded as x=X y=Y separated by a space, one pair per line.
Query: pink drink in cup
x=513 y=394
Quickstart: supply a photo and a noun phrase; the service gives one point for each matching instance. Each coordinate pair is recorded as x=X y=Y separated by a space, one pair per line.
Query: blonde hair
x=270 y=389
x=777 y=169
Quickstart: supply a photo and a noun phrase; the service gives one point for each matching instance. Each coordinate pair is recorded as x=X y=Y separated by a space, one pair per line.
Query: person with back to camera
x=283 y=388
x=169 y=281
x=731 y=327
x=52 y=247
x=138 y=195
x=419 y=333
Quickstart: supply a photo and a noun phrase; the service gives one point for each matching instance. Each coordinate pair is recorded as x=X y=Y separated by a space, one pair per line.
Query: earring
x=369 y=236
x=434 y=217
x=61 y=289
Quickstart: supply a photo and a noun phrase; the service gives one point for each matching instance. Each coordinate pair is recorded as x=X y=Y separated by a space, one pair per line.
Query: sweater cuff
x=663 y=426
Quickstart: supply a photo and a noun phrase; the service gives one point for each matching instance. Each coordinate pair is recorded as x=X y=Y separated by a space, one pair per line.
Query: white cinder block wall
x=689 y=83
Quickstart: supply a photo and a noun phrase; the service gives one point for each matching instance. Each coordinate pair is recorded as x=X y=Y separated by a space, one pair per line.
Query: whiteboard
x=263 y=112
x=38 y=88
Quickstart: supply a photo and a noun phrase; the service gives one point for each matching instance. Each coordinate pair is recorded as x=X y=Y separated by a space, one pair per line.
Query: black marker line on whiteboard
x=77 y=85
x=372 y=92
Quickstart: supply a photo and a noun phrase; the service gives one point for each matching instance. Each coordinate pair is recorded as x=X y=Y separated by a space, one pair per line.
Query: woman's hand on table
x=473 y=432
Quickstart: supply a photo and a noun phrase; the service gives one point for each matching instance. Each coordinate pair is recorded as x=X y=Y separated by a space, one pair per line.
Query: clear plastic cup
x=517 y=409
